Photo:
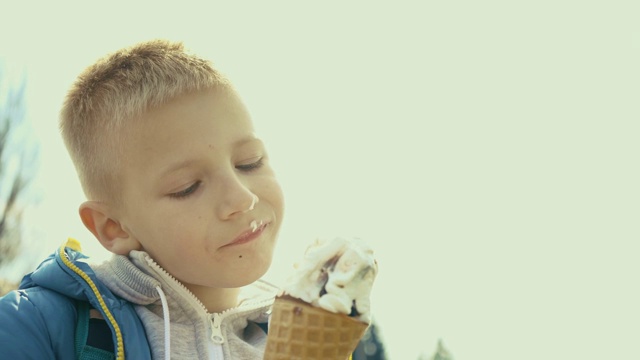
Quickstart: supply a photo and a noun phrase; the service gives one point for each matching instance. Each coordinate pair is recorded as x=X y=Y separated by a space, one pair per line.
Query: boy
x=180 y=189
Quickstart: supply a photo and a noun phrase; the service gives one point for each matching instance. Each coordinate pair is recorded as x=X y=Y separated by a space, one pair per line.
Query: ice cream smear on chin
x=336 y=275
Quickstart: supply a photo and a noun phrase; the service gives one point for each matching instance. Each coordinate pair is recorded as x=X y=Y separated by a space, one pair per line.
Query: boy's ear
x=97 y=218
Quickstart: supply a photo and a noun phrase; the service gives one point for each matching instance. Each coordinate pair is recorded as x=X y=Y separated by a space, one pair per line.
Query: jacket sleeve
x=24 y=333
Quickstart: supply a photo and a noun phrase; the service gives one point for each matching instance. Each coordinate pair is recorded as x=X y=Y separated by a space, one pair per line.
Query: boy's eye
x=186 y=192
x=251 y=166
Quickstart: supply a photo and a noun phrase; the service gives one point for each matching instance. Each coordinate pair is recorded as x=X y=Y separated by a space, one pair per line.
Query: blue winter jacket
x=38 y=321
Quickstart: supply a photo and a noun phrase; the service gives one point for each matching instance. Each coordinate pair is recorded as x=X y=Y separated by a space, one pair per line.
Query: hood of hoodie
x=140 y=280
x=136 y=278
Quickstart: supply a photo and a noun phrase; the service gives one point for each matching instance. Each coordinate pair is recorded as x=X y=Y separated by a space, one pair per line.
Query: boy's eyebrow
x=177 y=166
x=248 y=139
x=189 y=162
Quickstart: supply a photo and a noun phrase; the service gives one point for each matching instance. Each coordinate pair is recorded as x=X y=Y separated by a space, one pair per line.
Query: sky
x=488 y=151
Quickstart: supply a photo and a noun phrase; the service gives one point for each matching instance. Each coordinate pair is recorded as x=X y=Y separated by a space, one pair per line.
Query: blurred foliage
x=15 y=169
x=6 y=286
x=371 y=346
x=441 y=353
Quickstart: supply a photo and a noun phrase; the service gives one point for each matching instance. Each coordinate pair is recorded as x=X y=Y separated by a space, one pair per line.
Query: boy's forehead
x=169 y=139
x=221 y=99
x=215 y=104
x=217 y=118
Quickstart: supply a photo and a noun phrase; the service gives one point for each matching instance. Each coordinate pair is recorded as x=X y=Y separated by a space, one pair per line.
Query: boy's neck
x=216 y=300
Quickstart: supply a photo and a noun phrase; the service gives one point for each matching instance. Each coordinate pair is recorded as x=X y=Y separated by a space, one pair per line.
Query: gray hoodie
x=168 y=309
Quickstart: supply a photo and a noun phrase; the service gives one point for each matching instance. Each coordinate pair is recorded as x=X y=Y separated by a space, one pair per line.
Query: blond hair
x=117 y=89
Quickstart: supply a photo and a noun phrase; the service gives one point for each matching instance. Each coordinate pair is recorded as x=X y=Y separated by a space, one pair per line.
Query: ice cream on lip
x=336 y=275
x=255 y=227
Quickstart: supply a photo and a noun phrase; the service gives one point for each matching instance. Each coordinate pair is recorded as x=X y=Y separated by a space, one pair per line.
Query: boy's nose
x=236 y=198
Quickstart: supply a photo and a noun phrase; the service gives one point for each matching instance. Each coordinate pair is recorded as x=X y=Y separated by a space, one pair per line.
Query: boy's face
x=199 y=194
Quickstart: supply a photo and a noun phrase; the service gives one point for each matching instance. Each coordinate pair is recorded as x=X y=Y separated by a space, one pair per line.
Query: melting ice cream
x=336 y=275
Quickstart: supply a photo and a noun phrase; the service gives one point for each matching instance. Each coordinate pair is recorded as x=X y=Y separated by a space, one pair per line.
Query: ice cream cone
x=298 y=330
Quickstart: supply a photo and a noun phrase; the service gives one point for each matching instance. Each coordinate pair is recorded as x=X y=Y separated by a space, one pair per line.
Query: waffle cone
x=299 y=330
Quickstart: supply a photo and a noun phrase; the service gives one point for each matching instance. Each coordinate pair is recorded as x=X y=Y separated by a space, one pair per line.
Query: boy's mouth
x=255 y=230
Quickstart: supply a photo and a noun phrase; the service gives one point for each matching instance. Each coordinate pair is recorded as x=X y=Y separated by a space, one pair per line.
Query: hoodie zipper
x=215 y=319
x=215 y=351
x=217 y=339
x=173 y=281
x=216 y=331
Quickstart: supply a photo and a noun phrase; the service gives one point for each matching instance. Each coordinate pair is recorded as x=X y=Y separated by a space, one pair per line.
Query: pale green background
x=488 y=150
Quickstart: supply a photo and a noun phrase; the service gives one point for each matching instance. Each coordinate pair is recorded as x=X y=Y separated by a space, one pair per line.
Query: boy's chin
x=247 y=276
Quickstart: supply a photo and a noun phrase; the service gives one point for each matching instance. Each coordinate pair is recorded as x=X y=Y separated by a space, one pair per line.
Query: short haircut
x=117 y=89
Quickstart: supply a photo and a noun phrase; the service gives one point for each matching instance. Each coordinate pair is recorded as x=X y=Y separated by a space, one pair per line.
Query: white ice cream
x=336 y=275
